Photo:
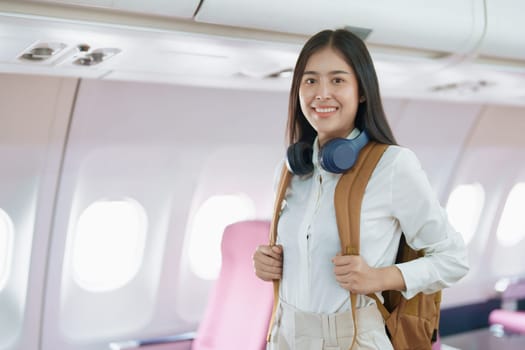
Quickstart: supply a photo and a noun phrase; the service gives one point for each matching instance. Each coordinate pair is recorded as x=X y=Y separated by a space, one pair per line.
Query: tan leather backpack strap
x=349 y=244
x=348 y=200
x=284 y=181
x=382 y=309
x=353 y=304
x=357 y=191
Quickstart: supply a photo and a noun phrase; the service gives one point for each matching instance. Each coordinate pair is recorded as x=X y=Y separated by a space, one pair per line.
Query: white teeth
x=325 y=110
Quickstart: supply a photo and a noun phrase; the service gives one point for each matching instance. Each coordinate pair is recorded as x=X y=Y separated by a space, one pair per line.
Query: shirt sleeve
x=425 y=225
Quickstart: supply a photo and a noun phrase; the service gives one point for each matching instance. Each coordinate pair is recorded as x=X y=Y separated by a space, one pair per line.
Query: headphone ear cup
x=339 y=155
x=299 y=158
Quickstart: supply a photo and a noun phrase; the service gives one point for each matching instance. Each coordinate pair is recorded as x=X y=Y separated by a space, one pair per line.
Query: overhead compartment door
x=179 y=8
x=446 y=26
x=505 y=35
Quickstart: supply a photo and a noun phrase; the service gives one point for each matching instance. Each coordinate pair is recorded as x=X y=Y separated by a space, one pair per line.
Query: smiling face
x=329 y=94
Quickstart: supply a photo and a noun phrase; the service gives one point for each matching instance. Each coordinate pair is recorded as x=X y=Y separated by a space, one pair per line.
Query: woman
x=335 y=94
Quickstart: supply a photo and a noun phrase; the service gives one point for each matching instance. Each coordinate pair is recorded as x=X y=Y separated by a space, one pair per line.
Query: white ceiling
x=163 y=41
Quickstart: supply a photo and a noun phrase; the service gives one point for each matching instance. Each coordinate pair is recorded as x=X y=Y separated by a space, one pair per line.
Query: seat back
x=240 y=304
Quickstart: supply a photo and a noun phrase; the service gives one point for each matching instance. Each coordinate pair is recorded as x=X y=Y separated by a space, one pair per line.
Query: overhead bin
x=178 y=8
x=505 y=34
x=447 y=26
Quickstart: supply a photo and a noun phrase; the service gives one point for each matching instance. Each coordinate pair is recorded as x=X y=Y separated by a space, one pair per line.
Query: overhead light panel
x=462 y=87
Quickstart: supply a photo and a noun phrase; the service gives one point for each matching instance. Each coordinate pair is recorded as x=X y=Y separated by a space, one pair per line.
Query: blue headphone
x=336 y=156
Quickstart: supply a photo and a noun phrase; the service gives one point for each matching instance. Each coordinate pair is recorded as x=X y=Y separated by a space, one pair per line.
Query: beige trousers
x=297 y=330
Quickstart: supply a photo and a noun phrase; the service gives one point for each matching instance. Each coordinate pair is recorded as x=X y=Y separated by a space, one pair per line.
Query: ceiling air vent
x=95 y=57
x=41 y=52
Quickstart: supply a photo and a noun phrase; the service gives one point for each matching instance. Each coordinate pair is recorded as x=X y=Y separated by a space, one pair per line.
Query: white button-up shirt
x=398 y=198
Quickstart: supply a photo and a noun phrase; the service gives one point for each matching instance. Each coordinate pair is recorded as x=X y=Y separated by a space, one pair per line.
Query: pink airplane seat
x=240 y=304
x=508 y=319
x=511 y=321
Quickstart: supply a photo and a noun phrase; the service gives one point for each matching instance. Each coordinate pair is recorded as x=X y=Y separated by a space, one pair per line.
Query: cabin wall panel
x=34 y=119
x=436 y=132
x=494 y=158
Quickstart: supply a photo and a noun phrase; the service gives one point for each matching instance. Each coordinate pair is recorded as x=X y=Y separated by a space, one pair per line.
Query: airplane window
x=209 y=222
x=511 y=228
x=6 y=246
x=109 y=244
x=464 y=208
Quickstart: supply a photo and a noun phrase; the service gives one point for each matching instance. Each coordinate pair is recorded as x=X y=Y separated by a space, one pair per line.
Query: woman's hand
x=353 y=274
x=268 y=262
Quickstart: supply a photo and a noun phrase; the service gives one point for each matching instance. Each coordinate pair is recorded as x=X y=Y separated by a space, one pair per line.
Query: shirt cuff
x=416 y=277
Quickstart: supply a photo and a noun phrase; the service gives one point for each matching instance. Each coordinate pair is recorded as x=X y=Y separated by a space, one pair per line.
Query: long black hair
x=370 y=115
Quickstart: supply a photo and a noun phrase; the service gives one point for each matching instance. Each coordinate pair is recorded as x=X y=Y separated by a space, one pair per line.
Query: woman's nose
x=323 y=92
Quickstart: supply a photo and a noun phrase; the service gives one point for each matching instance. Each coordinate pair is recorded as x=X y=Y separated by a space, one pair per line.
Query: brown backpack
x=411 y=324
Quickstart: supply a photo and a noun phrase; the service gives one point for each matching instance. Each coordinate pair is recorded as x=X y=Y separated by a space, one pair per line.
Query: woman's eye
x=309 y=80
x=338 y=80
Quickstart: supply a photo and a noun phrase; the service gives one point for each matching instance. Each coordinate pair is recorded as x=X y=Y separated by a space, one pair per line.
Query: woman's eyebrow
x=339 y=72
x=334 y=72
